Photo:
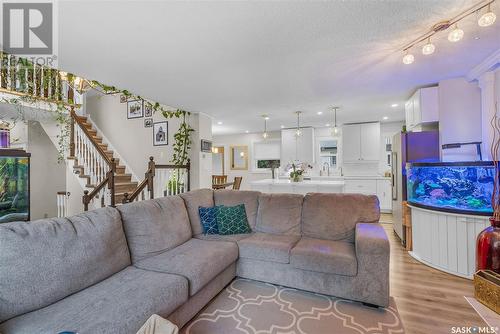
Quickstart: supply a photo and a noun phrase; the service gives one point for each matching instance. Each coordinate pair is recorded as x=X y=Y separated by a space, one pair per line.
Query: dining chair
x=237 y=182
x=219 y=179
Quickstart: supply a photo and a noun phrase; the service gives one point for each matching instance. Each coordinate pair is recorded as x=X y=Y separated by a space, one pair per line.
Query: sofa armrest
x=371 y=239
x=373 y=255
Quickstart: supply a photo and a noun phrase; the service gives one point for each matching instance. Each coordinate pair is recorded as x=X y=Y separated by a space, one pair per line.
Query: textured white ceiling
x=238 y=60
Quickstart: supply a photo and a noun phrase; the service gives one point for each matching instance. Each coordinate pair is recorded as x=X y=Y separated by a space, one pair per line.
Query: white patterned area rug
x=251 y=307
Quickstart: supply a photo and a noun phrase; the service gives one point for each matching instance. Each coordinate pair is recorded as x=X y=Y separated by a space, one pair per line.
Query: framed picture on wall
x=206 y=146
x=160 y=133
x=135 y=109
x=148 y=122
x=123 y=98
x=148 y=110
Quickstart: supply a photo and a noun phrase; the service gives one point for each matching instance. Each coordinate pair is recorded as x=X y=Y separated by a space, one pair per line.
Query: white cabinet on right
x=361 y=142
x=422 y=107
x=384 y=194
x=381 y=187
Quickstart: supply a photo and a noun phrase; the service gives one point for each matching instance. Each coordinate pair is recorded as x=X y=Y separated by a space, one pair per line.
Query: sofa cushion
x=229 y=197
x=155 y=226
x=208 y=218
x=46 y=260
x=232 y=220
x=197 y=260
x=325 y=256
x=120 y=304
x=267 y=247
x=279 y=213
x=193 y=200
x=334 y=216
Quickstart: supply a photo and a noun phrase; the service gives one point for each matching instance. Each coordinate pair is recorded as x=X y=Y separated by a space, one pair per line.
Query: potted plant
x=297 y=171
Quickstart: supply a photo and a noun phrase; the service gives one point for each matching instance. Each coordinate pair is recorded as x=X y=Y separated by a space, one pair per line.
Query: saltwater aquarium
x=14 y=186
x=461 y=187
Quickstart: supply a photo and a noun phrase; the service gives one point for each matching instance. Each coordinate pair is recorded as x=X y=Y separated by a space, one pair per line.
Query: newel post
x=72 y=133
x=111 y=181
x=86 y=200
x=188 y=168
x=150 y=176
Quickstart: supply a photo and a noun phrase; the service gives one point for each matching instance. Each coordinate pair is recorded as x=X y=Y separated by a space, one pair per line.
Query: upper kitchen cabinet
x=361 y=142
x=422 y=107
x=295 y=148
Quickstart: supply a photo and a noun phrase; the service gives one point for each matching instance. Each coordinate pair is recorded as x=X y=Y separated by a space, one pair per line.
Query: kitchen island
x=303 y=187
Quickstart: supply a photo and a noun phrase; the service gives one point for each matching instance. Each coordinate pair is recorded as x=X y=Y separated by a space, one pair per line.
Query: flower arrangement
x=297 y=171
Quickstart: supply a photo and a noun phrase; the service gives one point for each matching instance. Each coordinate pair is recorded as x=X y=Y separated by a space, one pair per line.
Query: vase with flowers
x=297 y=171
x=488 y=241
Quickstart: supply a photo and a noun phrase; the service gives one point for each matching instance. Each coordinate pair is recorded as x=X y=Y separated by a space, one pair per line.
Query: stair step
x=125 y=187
x=123 y=178
x=120 y=169
x=97 y=139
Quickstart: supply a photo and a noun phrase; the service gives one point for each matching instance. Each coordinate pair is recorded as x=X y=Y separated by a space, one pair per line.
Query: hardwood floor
x=428 y=300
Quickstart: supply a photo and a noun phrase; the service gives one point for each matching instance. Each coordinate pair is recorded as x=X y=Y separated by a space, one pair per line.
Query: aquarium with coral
x=14 y=185
x=460 y=187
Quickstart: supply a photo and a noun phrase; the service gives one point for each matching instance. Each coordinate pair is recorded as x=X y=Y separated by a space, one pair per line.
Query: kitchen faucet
x=327 y=168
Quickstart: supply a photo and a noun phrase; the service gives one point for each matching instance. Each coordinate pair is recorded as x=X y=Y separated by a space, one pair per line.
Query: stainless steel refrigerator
x=409 y=147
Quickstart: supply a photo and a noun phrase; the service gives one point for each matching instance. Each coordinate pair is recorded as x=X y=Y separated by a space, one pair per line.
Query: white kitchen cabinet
x=297 y=148
x=361 y=142
x=381 y=187
x=384 y=194
x=422 y=107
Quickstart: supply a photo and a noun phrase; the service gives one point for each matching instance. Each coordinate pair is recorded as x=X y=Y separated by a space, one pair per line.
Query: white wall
x=47 y=176
x=134 y=143
x=459 y=118
x=246 y=139
x=201 y=162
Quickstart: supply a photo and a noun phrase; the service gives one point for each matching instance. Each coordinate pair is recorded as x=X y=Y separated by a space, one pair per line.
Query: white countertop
x=302 y=183
x=341 y=178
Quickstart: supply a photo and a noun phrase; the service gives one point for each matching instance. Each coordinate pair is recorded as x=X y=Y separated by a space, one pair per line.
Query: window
x=266 y=155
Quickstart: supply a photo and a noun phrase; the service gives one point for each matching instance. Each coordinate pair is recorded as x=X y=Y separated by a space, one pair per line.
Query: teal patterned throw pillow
x=232 y=220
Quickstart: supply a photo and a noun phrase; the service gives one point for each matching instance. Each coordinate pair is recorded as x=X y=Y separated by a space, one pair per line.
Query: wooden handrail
x=99 y=149
x=108 y=180
x=149 y=179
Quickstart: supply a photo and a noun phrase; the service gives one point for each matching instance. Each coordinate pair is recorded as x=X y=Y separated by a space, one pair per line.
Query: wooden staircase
x=122 y=181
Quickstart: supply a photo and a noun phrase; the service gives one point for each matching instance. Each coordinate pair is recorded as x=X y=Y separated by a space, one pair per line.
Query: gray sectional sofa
x=108 y=270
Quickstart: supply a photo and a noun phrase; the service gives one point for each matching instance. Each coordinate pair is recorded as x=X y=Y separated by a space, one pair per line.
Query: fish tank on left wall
x=14 y=185
x=456 y=187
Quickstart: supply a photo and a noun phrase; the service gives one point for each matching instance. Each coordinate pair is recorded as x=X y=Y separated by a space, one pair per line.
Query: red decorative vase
x=488 y=247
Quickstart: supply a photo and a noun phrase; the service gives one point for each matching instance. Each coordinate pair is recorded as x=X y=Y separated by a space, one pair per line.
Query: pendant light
x=265 y=134
x=428 y=48
x=408 y=58
x=335 y=129
x=487 y=18
x=456 y=34
x=298 y=133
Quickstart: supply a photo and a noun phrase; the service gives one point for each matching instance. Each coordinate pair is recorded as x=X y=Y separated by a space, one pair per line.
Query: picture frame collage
x=137 y=108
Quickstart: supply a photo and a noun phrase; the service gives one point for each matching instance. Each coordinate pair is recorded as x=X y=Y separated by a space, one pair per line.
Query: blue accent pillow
x=208 y=218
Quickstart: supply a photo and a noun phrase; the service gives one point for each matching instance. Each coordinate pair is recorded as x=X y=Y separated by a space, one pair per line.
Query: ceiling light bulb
x=487 y=18
x=298 y=133
x=246 y=131
x=282 y=126
x=220 y=123
x=408 y=59
x=456 y=34
x=428 y=48
x=394 y=105
x=385 y=118
x=264 y=135
x=320 y=112
x=335 y=130
x=327 y=124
